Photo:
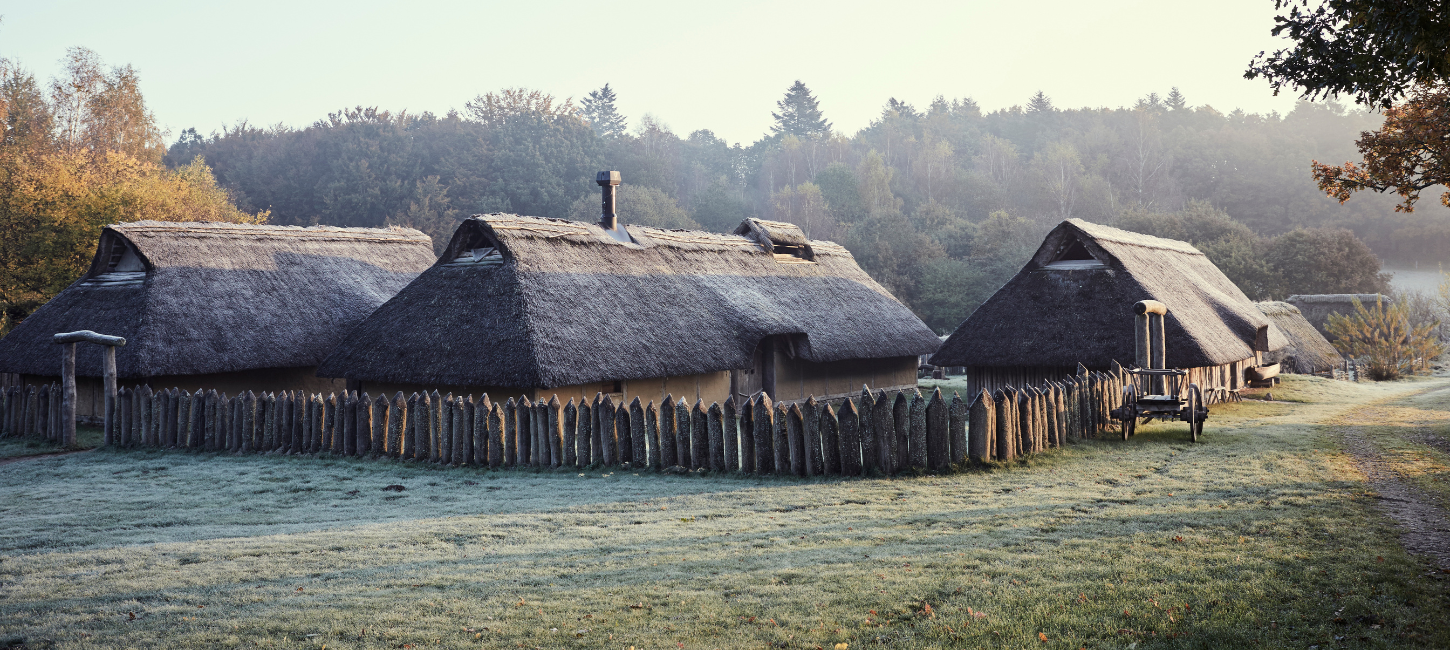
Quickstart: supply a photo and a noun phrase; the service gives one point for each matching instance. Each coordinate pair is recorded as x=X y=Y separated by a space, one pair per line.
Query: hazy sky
x=720 y=65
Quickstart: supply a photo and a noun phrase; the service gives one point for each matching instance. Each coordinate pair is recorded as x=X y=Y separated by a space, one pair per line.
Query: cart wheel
x=1195 y=404
x=1130 y=411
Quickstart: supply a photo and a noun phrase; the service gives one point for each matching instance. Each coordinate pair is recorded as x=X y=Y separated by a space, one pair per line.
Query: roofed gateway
x=1072 y=304
x=543 y=306
x=218 y=305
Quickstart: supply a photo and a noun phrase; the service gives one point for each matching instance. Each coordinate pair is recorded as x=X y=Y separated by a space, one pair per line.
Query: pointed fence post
x=849 y=422
x=780 y=438
x=554 y=429
x=669 y=455
x=764 y=435
x=870 y=442
x=496 y=447
x=795 y=439
x=730 y=438
x=682 y=434
x=979 y=427
x=446 y=435
x=652 y=435
x=957 y=429
x=607 y=452
x=397 y=412
x=1003 y=420
x=699 y=437
x=379 y=443
x=938 y=433
x=623 y=449
x=480 y=430
x=747 y=436
x=437 y=423
x=830 y=440
x=510 y=433
x=917 y=416
x=716 y=436
x=811 y=426
x=638 y=436
x=571 y=431
x=596 y=431
x=901 y=424
x=584 y=434
x=423 y=428
x=889 y=455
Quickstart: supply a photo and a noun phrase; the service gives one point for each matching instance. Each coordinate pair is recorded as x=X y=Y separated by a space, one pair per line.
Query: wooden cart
x=1154 y=391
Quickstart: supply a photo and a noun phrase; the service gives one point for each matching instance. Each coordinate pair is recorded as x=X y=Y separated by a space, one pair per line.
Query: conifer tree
x=599 y=111
x=800 y=114
x=1175 y=100
x=1040 y=103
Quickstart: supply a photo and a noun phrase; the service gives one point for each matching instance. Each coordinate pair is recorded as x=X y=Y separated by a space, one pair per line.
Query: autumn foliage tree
x=86 y=155
x=1408 y=154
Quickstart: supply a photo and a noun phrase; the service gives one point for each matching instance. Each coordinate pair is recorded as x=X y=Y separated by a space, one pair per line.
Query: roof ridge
x=1130 y=238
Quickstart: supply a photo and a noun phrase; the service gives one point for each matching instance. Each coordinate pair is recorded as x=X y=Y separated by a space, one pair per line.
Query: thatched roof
x=198 y=298
x=1072 y=303
x=530 y=302
x=1307 y=352
x=1316 y=308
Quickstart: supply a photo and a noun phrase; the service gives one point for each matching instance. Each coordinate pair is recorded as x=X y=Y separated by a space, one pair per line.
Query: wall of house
x=798 y=379
x=709 y=387
x=91 y=396
x=1229 y=376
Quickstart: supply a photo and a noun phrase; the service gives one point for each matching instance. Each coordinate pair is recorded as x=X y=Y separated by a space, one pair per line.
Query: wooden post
x=979 y=427
x=795 y=439
x=849 y=424
x=682 y=434
x=1003 y=420
x=460 y=446
x=397 y=416
x=730 y=438
x=584 y=434
x=957 y=429
x=699 y=436
x=830 y=440
x=764 y=434
x=446 y=420
x=716 y=436
x=781 y=442
x=883 y=423
x=901 y=427
x=811 y=426
x=378 y=444
x=510 y=433
x=249 y=422
x=870 y=445
x=747 y=435
x=539 y=447
x=938 y=433
x=496 y=447
x=571 y=431
x=596 y=431
x=606 y=432
x=187 y=433
x=109 y=371
x=623 y=449
x=669 y=455
x=554 y=429
x=524 y=437
x=68 y=395
x=638 y=437
x=435 y=426
x=480 y=430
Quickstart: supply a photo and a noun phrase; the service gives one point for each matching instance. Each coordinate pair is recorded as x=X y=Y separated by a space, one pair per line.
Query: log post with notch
x=68 y=381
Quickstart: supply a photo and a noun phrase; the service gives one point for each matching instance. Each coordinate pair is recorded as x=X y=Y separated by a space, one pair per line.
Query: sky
x=718 y=66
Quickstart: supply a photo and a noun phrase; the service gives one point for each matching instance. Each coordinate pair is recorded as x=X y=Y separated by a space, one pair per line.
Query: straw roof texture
x=1307 y=352
x=1082 y=312
x=1316 y=308
x=564 y=304
x=220 y=297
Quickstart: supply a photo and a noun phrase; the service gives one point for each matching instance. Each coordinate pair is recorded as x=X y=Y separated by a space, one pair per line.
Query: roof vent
x=608 y=220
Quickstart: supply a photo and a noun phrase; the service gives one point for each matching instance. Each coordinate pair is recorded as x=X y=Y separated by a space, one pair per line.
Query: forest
x=941 y=203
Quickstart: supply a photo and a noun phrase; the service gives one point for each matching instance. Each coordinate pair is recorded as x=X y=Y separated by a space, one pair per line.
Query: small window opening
x=1075 y=256
x=476 y=249
x=618 y=387
x=788 y=254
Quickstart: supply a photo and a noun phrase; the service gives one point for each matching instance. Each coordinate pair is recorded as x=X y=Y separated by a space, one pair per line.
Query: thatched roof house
x=1316 y=308
x=1072 y=303
x=217 y=304
x=1307 y=352
x=541 y=306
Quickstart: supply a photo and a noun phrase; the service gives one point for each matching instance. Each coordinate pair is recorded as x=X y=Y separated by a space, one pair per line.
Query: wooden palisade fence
x=871 y=433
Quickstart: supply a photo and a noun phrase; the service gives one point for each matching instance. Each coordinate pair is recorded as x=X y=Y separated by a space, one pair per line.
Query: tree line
x=940 y=204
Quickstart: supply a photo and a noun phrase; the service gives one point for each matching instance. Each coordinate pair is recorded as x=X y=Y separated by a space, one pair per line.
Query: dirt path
x=1424 y=525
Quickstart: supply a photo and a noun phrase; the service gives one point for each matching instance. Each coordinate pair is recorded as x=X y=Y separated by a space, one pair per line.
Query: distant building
x=1316 y=308
x=1072 y=303
x=1307 y=351
x=217 y=305
x=531 y=306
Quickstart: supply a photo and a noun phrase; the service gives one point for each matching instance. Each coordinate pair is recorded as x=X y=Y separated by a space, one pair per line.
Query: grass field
x=86 y=438
x=1263 y=535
